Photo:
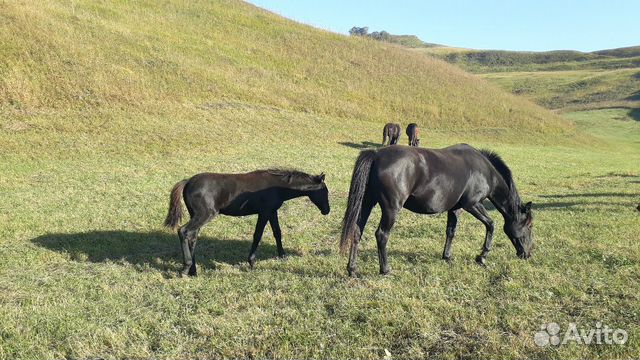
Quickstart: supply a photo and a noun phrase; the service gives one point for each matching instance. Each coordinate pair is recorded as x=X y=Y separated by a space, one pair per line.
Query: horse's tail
x=359 y=181
x=174 y=216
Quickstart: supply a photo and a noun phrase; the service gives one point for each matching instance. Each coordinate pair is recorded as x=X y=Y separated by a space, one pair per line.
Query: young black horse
x=430 y=181
x=391 y=131
x=413 y=132
x=259 y=192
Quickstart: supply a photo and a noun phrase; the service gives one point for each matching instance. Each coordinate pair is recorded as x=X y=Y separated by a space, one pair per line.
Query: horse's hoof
x=385 y=272
x=351 y=272
x=252 y=263
x=480 y=260
x=448 y=259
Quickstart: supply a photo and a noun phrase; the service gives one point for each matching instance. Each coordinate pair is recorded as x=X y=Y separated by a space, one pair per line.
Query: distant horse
x=391 y=131
x=413 y=133
x=259 y=192
x=431 y=181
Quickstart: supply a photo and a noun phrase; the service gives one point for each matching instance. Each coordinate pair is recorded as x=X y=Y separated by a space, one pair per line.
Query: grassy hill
x=180 y=57
x=480 y=61
x=105 y=105
x=557 y=79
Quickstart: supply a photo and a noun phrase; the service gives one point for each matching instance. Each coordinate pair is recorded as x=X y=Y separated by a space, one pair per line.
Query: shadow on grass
x=634 y=114
x=158 y=250
x=587 y=195
x=616 y=174
x=635 y=95
x=363 y=145
x=567 y=200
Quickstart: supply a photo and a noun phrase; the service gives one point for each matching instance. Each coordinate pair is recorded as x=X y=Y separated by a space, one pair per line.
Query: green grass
x=145 y=56
x=482 y=61
x=576 y=88
x=87 y=270
x=104 y=106
x=566 y=80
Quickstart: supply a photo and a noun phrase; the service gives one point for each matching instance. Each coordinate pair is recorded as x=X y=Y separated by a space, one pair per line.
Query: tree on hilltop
x=359 y=31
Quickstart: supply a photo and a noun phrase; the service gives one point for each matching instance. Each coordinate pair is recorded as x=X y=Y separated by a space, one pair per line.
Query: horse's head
x=518 y=229
x=319 y=195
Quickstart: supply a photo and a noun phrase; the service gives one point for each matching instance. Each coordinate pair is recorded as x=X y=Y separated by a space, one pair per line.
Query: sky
x=534 y=25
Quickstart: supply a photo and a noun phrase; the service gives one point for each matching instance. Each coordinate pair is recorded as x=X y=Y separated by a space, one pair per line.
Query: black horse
x=413 y=133
x=430 y=181
x=259 y=192
x=391 y=131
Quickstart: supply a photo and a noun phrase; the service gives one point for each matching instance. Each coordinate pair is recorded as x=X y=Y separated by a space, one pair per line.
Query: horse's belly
x=422 y=206
x=241 y=207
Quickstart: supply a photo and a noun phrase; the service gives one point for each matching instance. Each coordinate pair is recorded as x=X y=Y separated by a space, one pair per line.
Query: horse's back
x=432 y=180
x=392 y=129
x=219 y=190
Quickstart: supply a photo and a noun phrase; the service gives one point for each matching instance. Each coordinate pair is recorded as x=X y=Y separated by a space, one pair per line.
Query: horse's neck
x=291 y=193
x=502 y=198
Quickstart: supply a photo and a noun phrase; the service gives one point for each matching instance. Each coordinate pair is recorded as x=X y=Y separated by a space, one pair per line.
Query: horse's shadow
x=157 y=250
x=363 y=145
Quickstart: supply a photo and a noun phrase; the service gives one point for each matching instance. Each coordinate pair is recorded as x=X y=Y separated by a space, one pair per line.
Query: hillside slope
x=482 y=61
x=62 y=59
x=557 y=79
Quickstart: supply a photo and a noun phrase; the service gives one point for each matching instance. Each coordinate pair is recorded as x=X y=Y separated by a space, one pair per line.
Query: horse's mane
x=505 y=172
x=290 y=174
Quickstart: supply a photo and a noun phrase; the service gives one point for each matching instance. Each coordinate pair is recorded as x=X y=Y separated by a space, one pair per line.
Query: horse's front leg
x=277 y=234
x=479 y=212
x=257 y=236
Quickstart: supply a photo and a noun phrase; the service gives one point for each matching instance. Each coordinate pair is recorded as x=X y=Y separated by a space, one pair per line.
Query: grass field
x=562 y=80
x=62 y=56
x=88 y=272
x=575 y=88
x=104 y=106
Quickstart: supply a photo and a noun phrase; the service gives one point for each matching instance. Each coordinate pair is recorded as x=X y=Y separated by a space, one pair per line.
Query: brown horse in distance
x=413 y=133
x=391 y=131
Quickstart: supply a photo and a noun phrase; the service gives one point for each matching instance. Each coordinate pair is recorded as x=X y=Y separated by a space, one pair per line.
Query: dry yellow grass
x=144 y=56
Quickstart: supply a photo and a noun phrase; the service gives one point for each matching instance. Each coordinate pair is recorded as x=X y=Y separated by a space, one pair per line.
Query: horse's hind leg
x=479 y=212
x=188 y=236
x=367 y=206
x=389 y=214
x=452 y=221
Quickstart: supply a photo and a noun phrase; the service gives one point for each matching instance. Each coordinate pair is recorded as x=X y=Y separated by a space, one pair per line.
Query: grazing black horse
x=413 y=132
x=391 y=131
x=430 y=181
x=259 y=192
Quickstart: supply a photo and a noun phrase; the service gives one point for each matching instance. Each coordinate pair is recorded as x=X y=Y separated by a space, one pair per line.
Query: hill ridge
x=86 y=55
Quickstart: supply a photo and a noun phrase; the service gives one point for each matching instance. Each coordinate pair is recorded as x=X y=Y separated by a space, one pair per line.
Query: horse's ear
x=321 y=177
